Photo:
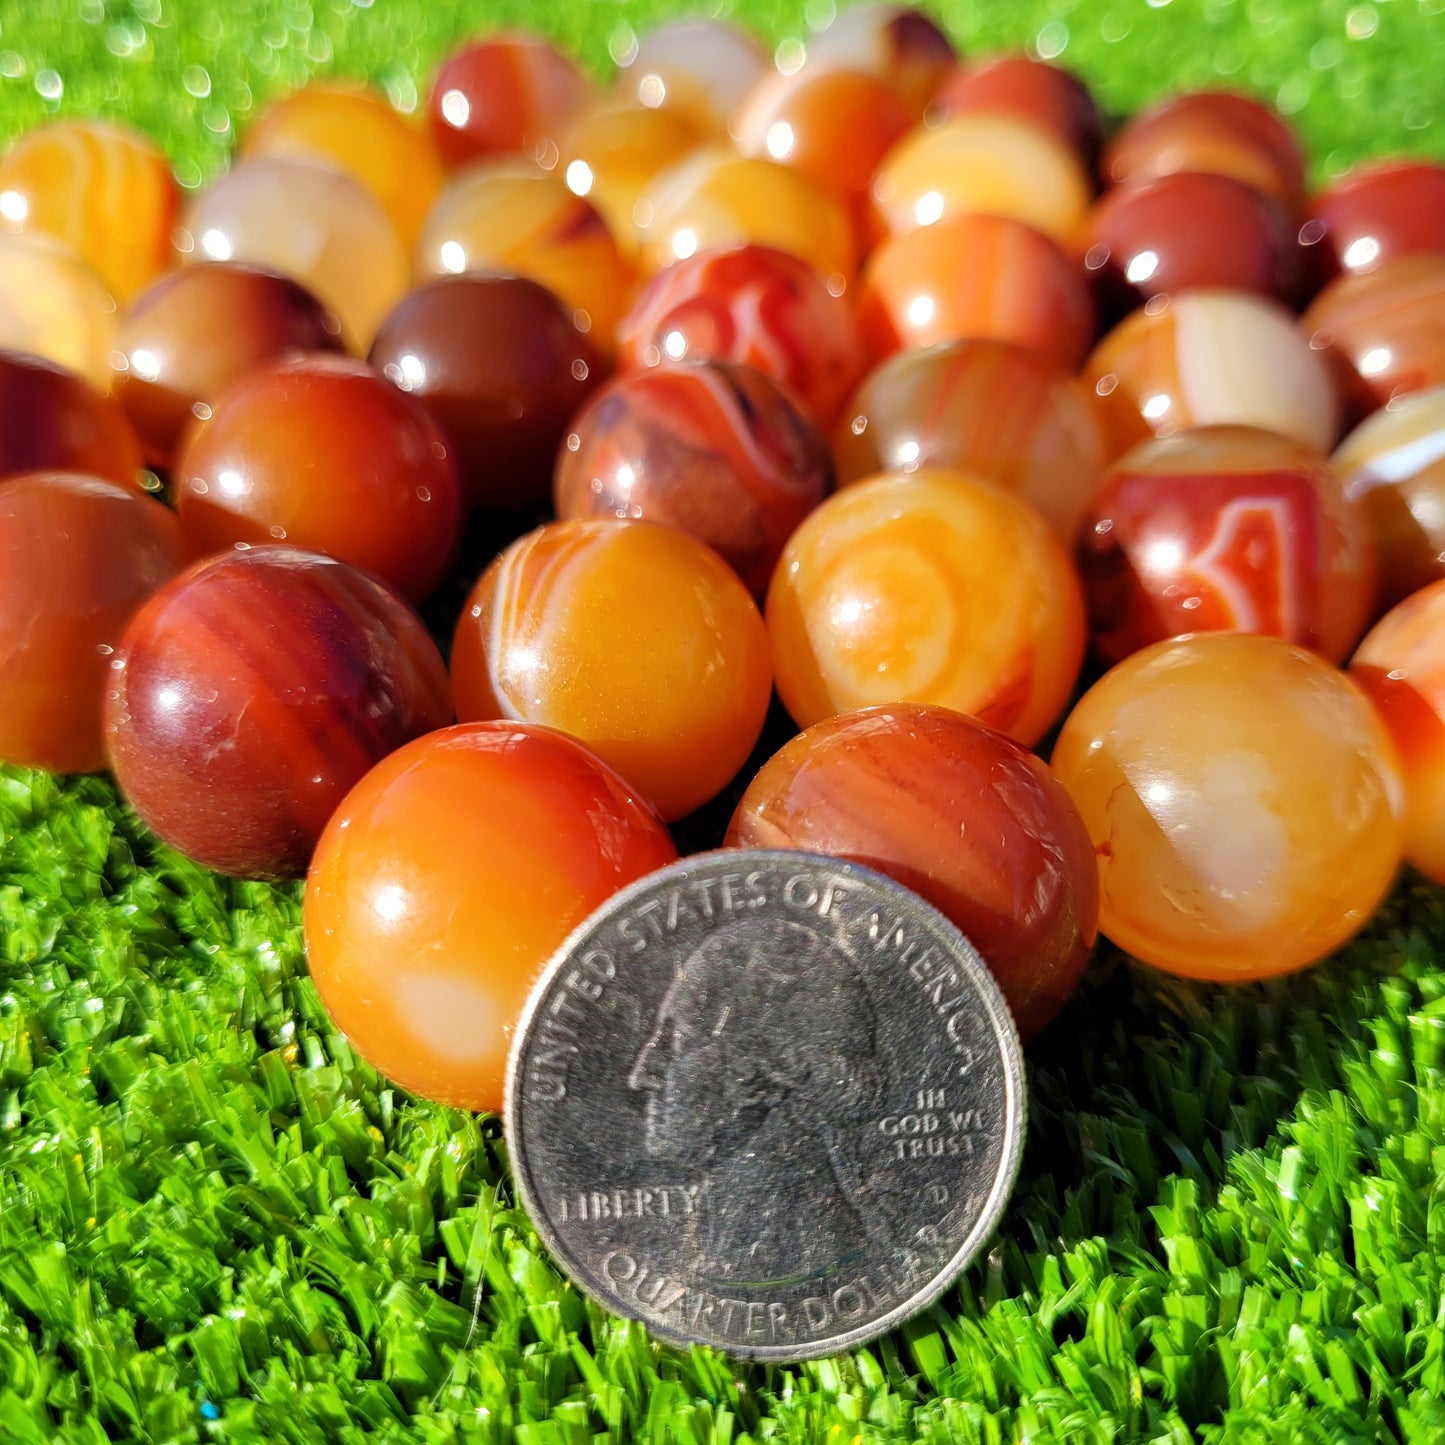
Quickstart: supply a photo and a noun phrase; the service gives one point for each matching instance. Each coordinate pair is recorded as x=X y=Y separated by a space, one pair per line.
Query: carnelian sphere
x=78 y=555
x=984 y=163
x=54 y=306
x=1244 y=802
x=635 y=638
x=324 y=453
x=355 y=130
x=961 y=814
x=106 y=191
x=51 y=420
x=1401 y=666
x=448 y=877
x=972 y=277
x=987 y=408
x=696 y=65
x=508 y=94
x=1225 y=528
x=900 y=44
x=929 y=587
x=1019 y=85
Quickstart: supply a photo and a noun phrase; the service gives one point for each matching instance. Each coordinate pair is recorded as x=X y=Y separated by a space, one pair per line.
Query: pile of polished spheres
x=905 y=344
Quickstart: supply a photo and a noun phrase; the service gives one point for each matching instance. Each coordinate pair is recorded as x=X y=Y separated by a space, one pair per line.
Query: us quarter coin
x=765 y=1101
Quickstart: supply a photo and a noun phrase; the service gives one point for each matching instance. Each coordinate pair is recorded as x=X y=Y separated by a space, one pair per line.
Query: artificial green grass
x=216 y=1223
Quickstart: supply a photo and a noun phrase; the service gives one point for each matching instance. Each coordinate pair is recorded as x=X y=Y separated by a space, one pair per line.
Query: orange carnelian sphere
x=932 y=587
x=1244 y=801
x=633 y=637
x=445 y=881
x=715 y=198
x=52 y=305
x=1401 y=665
x=108 y=192
x=502 y=217
x=357 y=131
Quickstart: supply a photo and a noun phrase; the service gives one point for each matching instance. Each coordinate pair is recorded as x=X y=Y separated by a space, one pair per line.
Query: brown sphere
x=713 y=449
x=326 y=454
x=196 y=332
x=50 y=420
x=502 y=366
x=1046 y=94
x=78 y=556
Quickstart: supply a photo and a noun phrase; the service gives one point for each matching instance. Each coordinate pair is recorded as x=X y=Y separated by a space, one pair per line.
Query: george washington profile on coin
x=762 y=1071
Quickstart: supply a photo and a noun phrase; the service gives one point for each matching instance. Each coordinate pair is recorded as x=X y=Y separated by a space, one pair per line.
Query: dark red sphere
x=253 y=691
x=1189 y=229
x=502 y=366
x=715 y=450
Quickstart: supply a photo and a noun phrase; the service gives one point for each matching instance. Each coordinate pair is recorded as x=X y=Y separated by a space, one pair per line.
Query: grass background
x=216 y=1223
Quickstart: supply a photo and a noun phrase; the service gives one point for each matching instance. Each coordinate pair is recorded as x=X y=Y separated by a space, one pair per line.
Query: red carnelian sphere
x=900 y=44
x=716 y=451
x=928 y=587
x=1018 y=85
x=448 y=877
x=1401 y=666
x=1383 y=331
x=985 y=408
x=959 y=813
x=252 y=691
x=1184 y=230
x=502 y=366
x=1375 y=213
x=753 y=304
x=633 y=637
x=197 y=332
x=1217 y=131
x=78 y=555
x=1226 y=528
x=50 y=420
x=508 y=94
x=325 y=454
x=976 y=276
x=1243 y=800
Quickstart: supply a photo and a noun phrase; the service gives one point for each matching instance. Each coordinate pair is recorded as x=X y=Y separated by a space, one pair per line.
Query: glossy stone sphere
x=986 y=408
x=635 y=638
x=976 y=277
x=961 y=814
x=834 y=126
x=198 y=331
x=1393 y=464
x=253 y=691
x=54 y=306
x=445 y=882
x=927 y=587
x=1018 y=85
x=984 y=163
x=715 y=198
x=1243 y=800
x=78 y=556
x=356 y=130
x=614 y=150
x=325 y=454
x=314 y=224
x=715 y=450
x=504 y=218
x=1218 y=131
x=1188 y=230
x=755 y=305
x=1383 y=331
x=698 y=66
x=1401 y=667
x=105 y=191
x=1375 y=213
x=899 y=44
x=50 y=420
x=1225 y=529
x=508 y=94
x=1207 y=358
x=502 y=367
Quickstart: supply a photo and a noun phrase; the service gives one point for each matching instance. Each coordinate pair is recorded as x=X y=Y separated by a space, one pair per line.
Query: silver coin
x=765 y=1101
